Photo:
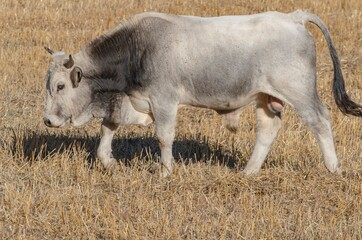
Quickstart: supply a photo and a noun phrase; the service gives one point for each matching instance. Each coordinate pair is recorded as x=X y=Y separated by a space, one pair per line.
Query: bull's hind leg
x=268 y=123
x=316 y=116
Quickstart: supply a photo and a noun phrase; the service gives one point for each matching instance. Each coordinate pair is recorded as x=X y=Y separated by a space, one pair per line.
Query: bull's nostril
x=47 y=122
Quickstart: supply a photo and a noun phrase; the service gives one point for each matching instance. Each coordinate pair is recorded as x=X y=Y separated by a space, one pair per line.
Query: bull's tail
x=344 y=103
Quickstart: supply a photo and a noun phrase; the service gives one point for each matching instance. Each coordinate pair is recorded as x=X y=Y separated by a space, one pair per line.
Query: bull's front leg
x=165 y=129
x=104 y=151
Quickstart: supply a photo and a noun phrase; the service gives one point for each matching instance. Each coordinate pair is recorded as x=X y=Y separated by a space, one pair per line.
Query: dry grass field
x=52 y=186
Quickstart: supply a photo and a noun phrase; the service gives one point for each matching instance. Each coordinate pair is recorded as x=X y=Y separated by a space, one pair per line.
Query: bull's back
x=226 y=58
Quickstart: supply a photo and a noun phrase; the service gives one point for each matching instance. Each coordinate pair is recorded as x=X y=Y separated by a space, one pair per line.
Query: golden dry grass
x=47 y=189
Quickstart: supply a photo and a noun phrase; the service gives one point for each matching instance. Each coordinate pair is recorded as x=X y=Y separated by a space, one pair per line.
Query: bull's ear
x=75 y=76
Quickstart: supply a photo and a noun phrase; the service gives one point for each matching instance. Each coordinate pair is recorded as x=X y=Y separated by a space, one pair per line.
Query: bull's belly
x=218 y=102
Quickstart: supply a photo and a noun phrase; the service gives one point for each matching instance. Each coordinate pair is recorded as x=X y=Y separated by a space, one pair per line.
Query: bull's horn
x=49 y=50
x=68 y=64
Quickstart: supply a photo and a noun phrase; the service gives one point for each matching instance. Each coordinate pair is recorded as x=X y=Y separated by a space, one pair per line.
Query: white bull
x=152 y=63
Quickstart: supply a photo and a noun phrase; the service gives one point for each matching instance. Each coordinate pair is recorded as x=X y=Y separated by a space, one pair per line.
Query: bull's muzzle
x=47 y=122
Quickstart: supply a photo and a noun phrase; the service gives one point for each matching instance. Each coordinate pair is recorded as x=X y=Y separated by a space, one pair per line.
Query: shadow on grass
x=32 y=146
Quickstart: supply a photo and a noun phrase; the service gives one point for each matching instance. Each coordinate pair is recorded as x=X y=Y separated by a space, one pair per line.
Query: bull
x=152 y=63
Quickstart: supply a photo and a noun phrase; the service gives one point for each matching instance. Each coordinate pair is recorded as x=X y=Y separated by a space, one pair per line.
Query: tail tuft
x=343 y=101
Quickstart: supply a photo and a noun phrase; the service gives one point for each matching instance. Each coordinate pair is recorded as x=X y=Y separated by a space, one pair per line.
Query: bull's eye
x=60 y=87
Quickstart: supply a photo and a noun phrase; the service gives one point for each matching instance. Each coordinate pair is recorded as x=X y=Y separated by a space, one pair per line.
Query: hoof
x=112 y=166
x=338 y=171
x=165 y=171
x=250 y=172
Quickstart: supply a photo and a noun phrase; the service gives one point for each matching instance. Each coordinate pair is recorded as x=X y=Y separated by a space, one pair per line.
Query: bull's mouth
x=54 y=124
x=66 y=122
x=80 y=120
x=57 y=126
x=70 y=120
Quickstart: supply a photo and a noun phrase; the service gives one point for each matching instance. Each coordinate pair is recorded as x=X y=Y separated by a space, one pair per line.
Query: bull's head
x=67 y=98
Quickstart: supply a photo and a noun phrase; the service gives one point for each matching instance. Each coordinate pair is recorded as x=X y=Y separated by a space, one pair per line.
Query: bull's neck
x=115 y=61
x=110 y=66
x=105 y=104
